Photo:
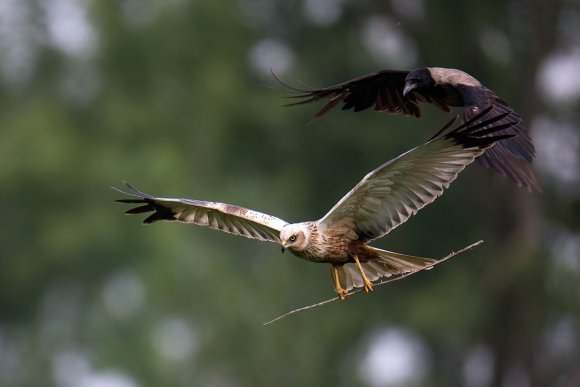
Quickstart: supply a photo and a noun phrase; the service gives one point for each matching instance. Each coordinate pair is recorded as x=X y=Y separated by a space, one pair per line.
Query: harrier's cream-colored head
x=294 y=237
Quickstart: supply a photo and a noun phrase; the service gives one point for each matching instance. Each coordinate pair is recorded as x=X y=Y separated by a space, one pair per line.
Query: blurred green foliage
x=166 y=96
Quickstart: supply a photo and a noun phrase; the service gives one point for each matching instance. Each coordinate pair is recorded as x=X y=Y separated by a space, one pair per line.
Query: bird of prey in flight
x=384 y=199
x=400 y=92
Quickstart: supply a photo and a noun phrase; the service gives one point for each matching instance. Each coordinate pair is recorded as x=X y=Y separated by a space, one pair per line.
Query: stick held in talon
x=384 y=282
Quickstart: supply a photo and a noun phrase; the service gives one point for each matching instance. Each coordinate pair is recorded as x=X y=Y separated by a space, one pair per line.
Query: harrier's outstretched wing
x=390 y=194
x=219 y=216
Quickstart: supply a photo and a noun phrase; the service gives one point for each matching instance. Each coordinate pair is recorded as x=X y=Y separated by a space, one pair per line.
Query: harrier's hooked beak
x=283 y=246
x=410 y=85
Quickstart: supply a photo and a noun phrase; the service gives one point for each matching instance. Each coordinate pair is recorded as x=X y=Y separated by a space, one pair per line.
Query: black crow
x=400 y=92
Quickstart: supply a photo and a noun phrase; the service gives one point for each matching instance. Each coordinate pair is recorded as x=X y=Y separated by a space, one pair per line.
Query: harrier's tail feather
x=378 y=264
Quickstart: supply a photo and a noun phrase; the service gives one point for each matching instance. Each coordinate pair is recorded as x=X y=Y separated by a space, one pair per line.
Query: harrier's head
x=294 y=236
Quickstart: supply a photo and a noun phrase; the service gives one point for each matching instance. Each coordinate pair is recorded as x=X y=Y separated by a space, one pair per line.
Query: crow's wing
x=382 y=90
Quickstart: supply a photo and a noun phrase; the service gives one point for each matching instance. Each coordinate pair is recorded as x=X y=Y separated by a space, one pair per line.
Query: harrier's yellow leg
x=336 y=282
x=368 y=284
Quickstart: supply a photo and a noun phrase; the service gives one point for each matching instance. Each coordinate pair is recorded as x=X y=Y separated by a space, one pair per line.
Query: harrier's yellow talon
x=342 y=293
x=367 y=284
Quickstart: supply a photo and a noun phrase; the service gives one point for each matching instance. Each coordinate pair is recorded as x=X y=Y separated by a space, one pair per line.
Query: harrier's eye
x=293 y=238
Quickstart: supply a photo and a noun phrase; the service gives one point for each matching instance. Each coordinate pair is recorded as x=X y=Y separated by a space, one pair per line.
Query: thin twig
x=392 y=279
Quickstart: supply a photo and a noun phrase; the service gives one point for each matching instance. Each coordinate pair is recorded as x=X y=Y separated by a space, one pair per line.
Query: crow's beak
x=409 y=87
x=283 y=246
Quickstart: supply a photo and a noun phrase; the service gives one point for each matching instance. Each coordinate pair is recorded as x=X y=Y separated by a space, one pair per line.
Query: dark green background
x=164 y=94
